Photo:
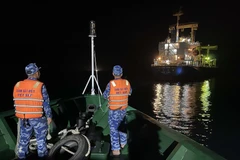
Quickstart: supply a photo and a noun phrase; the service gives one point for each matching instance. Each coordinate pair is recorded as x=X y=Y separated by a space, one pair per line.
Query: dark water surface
x=185 y=108
x=204 y=111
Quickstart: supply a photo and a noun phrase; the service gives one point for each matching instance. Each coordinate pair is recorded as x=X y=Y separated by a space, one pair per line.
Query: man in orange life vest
x=117 y=92
x=32 y=108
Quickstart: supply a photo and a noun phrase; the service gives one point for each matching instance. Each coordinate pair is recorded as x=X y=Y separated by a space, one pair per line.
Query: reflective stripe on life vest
x=118 y=96
x=28 y=100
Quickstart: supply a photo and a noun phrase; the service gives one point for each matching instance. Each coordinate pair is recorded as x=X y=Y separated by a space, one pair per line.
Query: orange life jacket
x=28 y=100
x=119 y=92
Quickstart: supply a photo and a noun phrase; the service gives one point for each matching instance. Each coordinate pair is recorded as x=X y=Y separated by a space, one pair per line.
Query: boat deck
x=147 y=138
x=143 y=144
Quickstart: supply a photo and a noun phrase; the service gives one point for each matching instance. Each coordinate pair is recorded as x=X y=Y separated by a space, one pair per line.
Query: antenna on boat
x=178 y=14
x=92 y=76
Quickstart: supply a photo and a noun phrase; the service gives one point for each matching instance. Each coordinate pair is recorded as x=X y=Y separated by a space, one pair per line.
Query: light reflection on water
x=185 y=108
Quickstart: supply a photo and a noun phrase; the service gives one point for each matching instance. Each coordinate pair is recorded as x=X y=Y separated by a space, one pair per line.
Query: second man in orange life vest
x=117 y=92
x=32 y=108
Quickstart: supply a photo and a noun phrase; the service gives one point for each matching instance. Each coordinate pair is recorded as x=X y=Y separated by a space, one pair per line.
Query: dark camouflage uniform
x=115 y=117
x=38 y=125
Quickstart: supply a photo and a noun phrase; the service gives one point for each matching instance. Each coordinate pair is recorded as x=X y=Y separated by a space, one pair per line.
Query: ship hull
x=183 y=73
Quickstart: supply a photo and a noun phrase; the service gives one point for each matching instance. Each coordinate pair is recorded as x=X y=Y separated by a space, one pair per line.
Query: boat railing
x=171 y=144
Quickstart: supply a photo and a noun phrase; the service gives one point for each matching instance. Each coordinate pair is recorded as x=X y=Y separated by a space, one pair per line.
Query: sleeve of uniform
x=46 y=105
x=106 y=92
x=130 y=89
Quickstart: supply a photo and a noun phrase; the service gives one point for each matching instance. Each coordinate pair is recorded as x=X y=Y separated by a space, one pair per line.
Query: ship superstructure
x=183 y=50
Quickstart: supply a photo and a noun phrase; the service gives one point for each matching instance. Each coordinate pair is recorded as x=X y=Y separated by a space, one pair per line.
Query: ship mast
x=178 y=14
x=92 y=76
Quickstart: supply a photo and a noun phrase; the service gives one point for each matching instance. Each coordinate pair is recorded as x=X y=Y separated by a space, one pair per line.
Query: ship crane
x=208 y=48
x=178 y=14
x=206 y=60
x=192 y=26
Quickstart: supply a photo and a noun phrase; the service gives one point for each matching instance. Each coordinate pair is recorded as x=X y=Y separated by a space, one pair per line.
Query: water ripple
x=185 y=108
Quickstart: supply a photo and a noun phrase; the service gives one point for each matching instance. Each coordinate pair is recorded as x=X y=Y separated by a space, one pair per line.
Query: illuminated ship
x=181 y=57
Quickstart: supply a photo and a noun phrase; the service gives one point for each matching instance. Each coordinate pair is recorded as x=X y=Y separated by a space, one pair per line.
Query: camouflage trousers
x=26 y=128
x=115 y=117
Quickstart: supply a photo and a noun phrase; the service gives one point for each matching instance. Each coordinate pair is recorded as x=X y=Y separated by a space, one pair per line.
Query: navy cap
x=117 y=70
x=31 y=68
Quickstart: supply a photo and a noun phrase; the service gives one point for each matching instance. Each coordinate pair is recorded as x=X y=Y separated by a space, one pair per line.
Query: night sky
x=125 y=31
x=55 y=35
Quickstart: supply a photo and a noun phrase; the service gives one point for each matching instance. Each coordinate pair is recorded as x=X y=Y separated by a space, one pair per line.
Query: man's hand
x=49 y=120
